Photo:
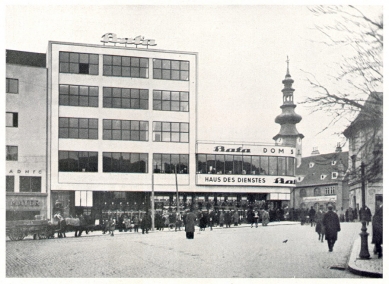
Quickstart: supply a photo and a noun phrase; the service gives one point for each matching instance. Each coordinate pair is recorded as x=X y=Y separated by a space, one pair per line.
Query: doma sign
x=139 y=40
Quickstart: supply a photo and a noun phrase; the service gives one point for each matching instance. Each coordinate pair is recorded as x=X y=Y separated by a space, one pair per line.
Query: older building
x=26 y=113
x=365 y=136
x=321 y=180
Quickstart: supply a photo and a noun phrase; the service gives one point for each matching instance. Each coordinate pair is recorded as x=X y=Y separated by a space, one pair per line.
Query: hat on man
x=329 y=207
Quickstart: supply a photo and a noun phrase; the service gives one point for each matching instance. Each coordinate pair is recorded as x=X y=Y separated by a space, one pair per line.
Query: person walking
x=377 y=228
x=235 y=218
x=256 y=218
x=265 y=217
x=203 y=222
x=221 y=218
x=312 y=213
x=190 y=224
x=319 y=223
x=250 y=216
x=227 y=217
x=365 y=214
x=211 y=218
x=136 y=224
x=146 y=223
x=331 y=227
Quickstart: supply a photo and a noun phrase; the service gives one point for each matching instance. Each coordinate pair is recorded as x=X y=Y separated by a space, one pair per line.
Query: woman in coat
x=265 y=218
x=319 y=223
x=190 y=220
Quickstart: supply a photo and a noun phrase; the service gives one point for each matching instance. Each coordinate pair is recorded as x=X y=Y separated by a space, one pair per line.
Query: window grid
x=125 y=162
x=78 y=128
x=125 y=98
x=12 y=86
x=125 y=66
x=330 y=190
x=77 y=161
x=11 y=119
x=166 y=69
x=78 y=63
x=167 y=163
x=30 y=184
x=78 y=95
x=11 y=153
x=170 y=100
x=247 y=165
x=134 y=130
x=171 y=132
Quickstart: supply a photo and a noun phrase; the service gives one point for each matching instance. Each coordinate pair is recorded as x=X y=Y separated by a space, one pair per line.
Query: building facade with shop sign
x=25 y=167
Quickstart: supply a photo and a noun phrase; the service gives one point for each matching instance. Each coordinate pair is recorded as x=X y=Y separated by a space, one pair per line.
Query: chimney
x=338 y=148
x=315 y=151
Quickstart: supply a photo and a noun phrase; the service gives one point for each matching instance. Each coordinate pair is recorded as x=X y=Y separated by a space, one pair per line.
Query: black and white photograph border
x=170 y=141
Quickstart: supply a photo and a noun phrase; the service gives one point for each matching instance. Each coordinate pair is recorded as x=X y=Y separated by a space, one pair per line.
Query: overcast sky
x=242 y=53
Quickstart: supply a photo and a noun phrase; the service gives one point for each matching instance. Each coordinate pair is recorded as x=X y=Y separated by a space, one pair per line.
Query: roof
x=25 y=58
x=370 y=115
x=318 y=169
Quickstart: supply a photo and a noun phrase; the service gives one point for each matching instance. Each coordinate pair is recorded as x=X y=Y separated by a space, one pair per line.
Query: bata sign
x=239 y=180
x=246 y=150
x=139 y=40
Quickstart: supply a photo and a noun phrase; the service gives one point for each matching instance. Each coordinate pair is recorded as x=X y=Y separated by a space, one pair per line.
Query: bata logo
x=223 y=149
x=139 y=40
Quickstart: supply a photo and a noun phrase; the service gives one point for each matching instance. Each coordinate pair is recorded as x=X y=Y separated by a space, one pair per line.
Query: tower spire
x=287 y=66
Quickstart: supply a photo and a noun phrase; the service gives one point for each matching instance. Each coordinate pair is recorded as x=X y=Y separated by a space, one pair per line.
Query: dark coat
x=319 y=222
x=331 y=225
x=190 y=222
x=377 y=227
x=365 y=213
x=146 y=222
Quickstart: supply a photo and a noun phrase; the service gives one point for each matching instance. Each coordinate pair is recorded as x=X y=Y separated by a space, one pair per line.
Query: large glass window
x=125 y=162
x=134 y=130
x=11 y=153
x=125 y=66
x=167 y=163
x=77 y=161
x=201 y=164
x=237 y=165
x=273 y=166
x=282 y=166
x=30 y=184
x=11 y=119
x=170 y=100
x=229 y=164
x=78 y=63
x=170 y=132
x=290 y=166
x=78 y=128
x=10 y=183
x=74 y=95
x=255 y=165
x=12 y=85
x=125 y=98
x=171 y=69
x=219 y=164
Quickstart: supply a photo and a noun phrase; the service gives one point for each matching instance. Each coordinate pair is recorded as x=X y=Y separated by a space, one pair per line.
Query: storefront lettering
x=285 y=181
x=139 y=40
x=223 y=149
x=24 y=202
x=26 y=171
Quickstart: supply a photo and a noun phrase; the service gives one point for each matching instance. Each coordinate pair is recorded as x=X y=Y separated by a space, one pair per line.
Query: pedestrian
x=319 y=223
x=203 y=222
x=235 y=218
x=227 y=218
x=190 y=224
x=331 y=226
x=250 y=216
x=256 y=218
x=302 y=216
x=111 y=227
x=355 y=212
x=178 y=221
x=341 y=215
x=146 y=223
x=365 y=214
x=221 y=218
x=265 y=218
x=211 y=218
x=136 y=224
x=312 y=214
x=377 y=228
x=350 y=213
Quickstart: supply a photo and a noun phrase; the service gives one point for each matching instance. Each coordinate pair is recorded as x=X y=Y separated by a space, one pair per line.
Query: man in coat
x=377 y=228
x=365 y=214
x=312 y=213
x=190 y=224
x=331 y=227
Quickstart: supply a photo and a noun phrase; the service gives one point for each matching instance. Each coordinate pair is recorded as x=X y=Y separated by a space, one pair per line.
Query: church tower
x=288 y=134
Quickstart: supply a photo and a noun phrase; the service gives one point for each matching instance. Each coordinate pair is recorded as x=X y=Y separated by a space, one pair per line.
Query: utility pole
x=364 y=253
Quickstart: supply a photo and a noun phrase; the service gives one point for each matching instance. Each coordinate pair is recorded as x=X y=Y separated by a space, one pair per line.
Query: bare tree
x=355 y=94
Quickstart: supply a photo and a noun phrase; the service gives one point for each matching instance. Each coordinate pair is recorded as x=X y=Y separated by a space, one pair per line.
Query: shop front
x=26 y=206
x=319 y=202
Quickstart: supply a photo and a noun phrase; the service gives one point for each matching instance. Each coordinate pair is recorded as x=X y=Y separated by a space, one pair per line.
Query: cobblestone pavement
x=241 y=252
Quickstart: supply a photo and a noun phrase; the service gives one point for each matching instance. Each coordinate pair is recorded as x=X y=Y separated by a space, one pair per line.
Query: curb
x=357 y=270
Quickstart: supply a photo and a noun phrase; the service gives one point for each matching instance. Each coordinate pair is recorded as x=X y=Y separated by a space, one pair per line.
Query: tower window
x=334 y=175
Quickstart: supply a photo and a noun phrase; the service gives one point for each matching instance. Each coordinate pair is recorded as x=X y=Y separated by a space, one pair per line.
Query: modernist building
x=122 y=127
x=365 y=135
x=25 y=168
x=322 y=180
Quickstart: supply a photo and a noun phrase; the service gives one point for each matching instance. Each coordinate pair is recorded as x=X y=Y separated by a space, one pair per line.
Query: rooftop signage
x=139 y=40
x=234 y=149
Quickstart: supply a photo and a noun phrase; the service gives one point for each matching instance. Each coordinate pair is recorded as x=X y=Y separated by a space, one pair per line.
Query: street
x=241 y=252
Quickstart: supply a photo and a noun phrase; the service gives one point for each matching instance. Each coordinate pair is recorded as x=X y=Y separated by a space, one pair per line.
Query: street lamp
x=364 y=253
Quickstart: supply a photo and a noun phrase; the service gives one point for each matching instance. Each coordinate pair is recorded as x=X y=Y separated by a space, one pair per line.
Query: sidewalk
x=372 y=267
